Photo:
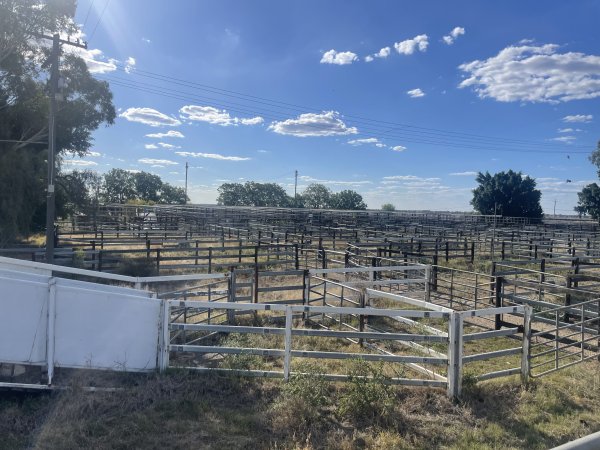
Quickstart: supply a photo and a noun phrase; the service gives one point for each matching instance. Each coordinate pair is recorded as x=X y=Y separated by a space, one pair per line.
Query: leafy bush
x=137 y=267
x=368 y=395
x=301 y=401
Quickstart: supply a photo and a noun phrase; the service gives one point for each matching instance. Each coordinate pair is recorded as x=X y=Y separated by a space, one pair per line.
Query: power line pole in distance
x=296 y=189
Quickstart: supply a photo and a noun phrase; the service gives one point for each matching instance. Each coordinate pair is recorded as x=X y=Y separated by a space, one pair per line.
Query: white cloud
x=165 y=145
x=534 y=74
x=565 y=130
x=416 y=93
x=170 y=133
x=565 y=139
x=463 y=174
x=339 y=58
x=95 y=59
x=409 y=178
x=398 y=148
x=79 y=163
x=328 y=123
x=215 y=116
x=409 y=46
x=308 y=179
x=162 y=162
x=151 y=146
x=212 y=156
x=356 y=142
x=368 y=58
x=149 y=116
x=252 y=121
x=367 y=141
x=129 y=64
x=454 y=34
x=146 y=40
x=94 y=154
x=581 y=118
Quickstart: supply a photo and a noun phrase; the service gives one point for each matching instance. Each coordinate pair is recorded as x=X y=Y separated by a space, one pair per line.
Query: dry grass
x=187 y=410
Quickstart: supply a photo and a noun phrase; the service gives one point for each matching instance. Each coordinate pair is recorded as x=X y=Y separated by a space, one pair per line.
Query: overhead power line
x=277 y=111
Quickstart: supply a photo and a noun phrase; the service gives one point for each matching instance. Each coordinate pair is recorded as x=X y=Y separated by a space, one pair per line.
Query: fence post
x=231 y=295
x=256 y=275
x=498 y=302
x=427 y=281
x=296 y=259
x=50 y=342
x=287 y=359
x=455 y=349
x=525 y=356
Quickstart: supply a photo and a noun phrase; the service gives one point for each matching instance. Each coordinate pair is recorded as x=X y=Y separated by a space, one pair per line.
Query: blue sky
x=400 y=101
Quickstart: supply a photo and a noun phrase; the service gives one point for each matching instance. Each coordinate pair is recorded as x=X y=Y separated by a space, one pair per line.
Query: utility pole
x=54 y=62
x=296 y=189
x=186 y=173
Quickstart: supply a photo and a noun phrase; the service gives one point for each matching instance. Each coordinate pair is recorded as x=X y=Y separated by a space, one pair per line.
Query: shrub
x=137 y=267
x=368 y=395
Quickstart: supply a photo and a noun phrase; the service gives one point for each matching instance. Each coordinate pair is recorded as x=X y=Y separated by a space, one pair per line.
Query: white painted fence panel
x=23 y=318
x=105 y=329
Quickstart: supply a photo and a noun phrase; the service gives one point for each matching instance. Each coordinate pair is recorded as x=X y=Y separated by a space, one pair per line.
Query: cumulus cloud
x=409 y=46
x=169 y=146
x=416 y=93
x=339 y=58
x=212 y=156
x=151 y=146
x=398 y=148
x=530 y=73
x=95 y=59
x=161 y=162
x=149 y=116
x=169 y=134
x=327 y=123
x=581 y=118
x=215 y=116
x=454 y=34
x=463 y=174
x=129 y=64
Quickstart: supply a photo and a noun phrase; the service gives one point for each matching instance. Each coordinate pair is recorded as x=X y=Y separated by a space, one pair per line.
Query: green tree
x=77 y=192
x=589 y=197
x=589 y=201
x=347 y=199
x=253 y=194
x=24 y=109
x=231 y=194
x=316 y=196
x=172 y=195
x=147 y=186
x=509 y=193
x=119 y=186
x=388 y=207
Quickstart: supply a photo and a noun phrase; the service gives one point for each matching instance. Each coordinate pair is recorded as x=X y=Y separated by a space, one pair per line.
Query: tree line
x=316 y=196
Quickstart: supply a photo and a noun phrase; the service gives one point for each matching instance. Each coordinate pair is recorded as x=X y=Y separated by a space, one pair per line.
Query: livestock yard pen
x=435 y=301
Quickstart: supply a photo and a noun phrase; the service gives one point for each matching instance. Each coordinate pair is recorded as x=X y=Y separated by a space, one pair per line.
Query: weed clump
x=369 y=396
x=137 y=267
x=302 y=401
